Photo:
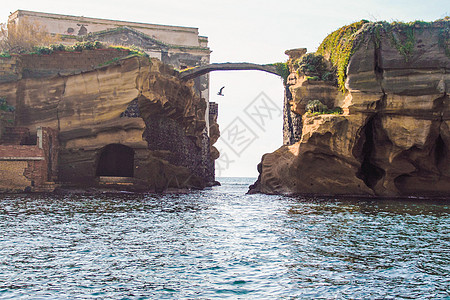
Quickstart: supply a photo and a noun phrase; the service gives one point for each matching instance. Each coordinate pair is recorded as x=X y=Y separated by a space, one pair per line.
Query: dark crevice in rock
x=378 y=69
x=288 y=130
x=440 y=147
x=440 y=103
x=369 y=172
x=379 y=73
x=292 y=127
x=288 y=93
x=381 y=104
x=439 y=151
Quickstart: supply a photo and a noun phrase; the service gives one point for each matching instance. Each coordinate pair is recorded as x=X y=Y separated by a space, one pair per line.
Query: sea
x=221 y=243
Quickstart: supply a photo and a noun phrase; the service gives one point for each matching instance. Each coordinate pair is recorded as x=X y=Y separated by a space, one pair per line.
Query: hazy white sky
x=251 y=31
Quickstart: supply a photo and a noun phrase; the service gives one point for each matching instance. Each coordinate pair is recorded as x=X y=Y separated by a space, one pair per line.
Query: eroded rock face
x=134 y=102
x=393 y=138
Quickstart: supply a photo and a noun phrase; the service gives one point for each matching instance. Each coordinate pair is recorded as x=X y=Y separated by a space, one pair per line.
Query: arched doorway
x=116 y=160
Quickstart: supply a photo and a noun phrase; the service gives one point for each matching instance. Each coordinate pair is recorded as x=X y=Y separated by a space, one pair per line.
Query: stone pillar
x=40 y=137
x=292 y=122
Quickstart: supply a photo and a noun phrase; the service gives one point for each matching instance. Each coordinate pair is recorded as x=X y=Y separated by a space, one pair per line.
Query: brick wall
x=21 y=167
x=29 y=168
x=34 y=65
x=12 y=177
x=11 y=151
x=36 y=173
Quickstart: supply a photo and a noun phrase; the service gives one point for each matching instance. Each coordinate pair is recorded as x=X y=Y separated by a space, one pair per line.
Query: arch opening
x=116 y=160
x=250 y=119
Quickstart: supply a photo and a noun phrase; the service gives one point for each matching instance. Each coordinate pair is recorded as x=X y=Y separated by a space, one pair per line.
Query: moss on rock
x=339 y=46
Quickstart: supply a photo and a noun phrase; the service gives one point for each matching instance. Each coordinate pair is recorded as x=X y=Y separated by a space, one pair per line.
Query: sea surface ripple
x=222 y=243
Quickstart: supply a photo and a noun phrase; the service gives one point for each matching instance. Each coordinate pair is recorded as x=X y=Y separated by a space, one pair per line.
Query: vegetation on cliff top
x=314 y=66
x=340 y=45
x=32 y=38
x=80 y=46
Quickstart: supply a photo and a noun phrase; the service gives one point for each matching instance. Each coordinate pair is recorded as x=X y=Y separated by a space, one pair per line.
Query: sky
x=246 y=31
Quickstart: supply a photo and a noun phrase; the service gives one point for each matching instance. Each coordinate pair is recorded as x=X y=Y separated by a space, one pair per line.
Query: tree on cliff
x=22 y=37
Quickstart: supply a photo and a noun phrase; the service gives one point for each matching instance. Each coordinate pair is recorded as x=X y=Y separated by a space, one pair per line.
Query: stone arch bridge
x=205 y=69
x=202 y=70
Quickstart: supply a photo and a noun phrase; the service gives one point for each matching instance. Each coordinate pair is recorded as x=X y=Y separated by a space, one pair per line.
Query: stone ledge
x=22 y=158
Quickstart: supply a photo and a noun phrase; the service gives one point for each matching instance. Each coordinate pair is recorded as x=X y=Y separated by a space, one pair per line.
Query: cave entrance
x=116 y=160
x=369 y=172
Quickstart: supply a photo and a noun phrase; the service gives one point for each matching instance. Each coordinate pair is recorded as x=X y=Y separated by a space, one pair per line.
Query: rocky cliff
x=391 y=137
x=130 y=105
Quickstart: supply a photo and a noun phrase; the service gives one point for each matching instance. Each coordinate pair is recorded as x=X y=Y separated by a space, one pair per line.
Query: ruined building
x=106 y=117
x=180 y=47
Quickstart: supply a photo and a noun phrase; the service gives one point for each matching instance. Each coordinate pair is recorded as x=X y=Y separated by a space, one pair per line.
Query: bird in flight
x=220 y=92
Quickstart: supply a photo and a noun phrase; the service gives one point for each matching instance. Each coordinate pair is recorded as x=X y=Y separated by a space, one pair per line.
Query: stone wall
x=9 y=68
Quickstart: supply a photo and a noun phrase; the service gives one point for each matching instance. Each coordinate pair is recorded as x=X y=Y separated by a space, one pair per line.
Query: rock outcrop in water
x=131 y=123
x=393 y=138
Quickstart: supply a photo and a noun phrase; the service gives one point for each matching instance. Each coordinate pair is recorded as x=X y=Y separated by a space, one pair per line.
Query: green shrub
x=282 y=70
x=337 y=111
x=329 y=76
x=312 y=65
x=42 y=50
x=77 y=47
x=316 y=106
x=58 y=47
x=5 y=54
x=80 y=46
x=4 y=105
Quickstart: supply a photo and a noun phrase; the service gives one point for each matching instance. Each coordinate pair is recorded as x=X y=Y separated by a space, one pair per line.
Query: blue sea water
x=221 y=243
